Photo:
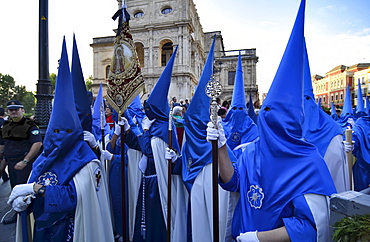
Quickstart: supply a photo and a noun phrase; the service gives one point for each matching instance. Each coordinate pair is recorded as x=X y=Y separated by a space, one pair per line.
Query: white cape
x=179 y=196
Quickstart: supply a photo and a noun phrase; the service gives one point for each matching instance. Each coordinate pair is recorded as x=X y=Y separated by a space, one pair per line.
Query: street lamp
x=44 y=88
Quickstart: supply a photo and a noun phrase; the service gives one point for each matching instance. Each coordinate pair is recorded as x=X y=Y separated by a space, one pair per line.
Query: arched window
x=166 y=53
x=138 y=14
x=166 y=10
x=140 y=53
x=107 y=68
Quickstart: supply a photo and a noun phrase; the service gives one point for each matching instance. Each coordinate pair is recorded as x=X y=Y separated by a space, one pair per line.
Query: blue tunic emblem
x=255 y=196
x=48 y=178
x=235 y=137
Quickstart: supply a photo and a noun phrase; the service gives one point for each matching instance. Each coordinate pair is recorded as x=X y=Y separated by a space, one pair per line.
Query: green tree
x=7 y=85
x=88 y=83
x=53 y=80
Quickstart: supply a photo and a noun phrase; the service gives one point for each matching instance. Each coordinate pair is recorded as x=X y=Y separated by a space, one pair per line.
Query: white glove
x=351 y=121
x=216 y=134
x=107 y=155
x=146 y=123
x=21 y=190
x=171 y=155
x=248 y=237
x=117 y=126
x=90 y=139
x=348 y=147
x=21 y=203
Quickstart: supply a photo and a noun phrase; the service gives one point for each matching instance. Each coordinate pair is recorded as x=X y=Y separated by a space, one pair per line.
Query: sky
x=337 y=32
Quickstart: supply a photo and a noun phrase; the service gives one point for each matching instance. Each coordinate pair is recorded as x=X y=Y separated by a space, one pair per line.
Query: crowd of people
x=277 y=169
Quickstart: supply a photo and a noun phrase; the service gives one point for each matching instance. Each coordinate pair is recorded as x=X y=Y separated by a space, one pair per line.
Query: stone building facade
x=158 y=26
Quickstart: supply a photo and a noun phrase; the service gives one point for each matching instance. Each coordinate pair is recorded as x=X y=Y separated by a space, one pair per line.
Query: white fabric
x=146 y=123
x=107 y=155
x=320 y=214
x=90 y=139
x=20 y=190
x=216 y=134
x=170 y=155
x=179 y=196
x=202 y=207
x=336 y=160
x=248 y=237
x=143 y=163
x=21 y=203
x=97 y=225
x=233 y=200
x=134 y=180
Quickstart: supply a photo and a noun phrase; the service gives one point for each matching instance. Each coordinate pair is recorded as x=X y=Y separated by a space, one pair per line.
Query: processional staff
x=169 y=180
x=124 y=83
x=213 y=90
x=349 y=156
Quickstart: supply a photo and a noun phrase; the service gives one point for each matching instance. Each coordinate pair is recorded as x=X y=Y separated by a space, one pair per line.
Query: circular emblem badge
x=255 y=196
x=48 y=178
x=235 y=137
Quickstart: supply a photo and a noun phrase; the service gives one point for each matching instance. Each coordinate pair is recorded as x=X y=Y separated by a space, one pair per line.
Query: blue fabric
x=239 y=127
x=333 y=112
x=301 y=226
x=156 y=106
x=367 y=105
x=318 y=127
x=347 y=106
x=361 y=169
x=154 y=220
x=98 y=123
x=65 y=153
x=280 y=166
x=360 y=109
x=196 y=151
x=79 y=89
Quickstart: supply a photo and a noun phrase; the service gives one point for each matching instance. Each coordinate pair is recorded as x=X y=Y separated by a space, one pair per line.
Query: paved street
x=7 y=232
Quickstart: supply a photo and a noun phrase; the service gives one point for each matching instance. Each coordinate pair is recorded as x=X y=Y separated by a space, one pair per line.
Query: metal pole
x=44 y=87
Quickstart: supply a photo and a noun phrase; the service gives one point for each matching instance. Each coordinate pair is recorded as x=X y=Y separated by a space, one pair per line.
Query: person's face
x=108 y=112
x=16 y=114
x=174 y=100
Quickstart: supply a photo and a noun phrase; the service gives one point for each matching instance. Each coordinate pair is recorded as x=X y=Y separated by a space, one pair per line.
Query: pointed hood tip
x=199 y=106
x=238 y=98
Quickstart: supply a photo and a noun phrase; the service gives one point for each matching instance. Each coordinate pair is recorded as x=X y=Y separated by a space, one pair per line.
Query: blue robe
x=361 y=169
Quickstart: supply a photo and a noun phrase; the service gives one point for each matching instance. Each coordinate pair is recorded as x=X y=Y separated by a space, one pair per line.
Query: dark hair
x=221 y=111
x=2 y=112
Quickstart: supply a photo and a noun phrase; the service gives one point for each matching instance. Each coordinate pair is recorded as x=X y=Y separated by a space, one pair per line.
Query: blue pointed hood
x=135 y=110
x=99 y=116
x=79 y=89
x=238 y=99
x=360 y=109
x=347 y=106
x=65 y=152
x=197 y=152
x=333 y=112
x=281 y=163
x=318 y=127
x=251 y=113
x=367 y=105
x=157 y=107
x=346 y=117
x=319 y=103
x=239 y=127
